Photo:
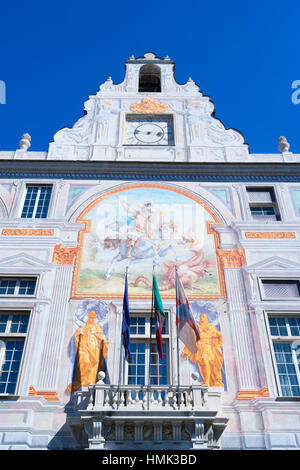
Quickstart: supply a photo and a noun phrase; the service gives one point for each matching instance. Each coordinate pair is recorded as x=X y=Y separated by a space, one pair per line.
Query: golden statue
x=91 y=349
x=209 y=357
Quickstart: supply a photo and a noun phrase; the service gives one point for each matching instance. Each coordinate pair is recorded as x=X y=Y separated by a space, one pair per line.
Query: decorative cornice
x=20 y=232
x=147 y=171
x=232 y=258
x=270 y=235
x=64 y=255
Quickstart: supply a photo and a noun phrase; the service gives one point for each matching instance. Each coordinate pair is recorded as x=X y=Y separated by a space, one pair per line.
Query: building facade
x=149 y=179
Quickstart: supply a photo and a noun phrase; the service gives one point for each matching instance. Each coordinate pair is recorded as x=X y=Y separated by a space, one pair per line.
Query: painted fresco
x=141 y=228
x=207 y=365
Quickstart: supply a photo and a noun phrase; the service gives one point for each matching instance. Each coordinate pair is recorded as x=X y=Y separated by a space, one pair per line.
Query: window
x=36 y=202
x=280 y=289
x=285 y=335
x=17 y=286
x=13 y=331
x=263 y=205
x=138 y=368
x=149 y=79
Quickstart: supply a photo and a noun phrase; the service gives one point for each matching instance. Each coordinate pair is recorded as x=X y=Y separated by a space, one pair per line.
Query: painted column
x=29 y=375
x=51 y=357
x=247 y=374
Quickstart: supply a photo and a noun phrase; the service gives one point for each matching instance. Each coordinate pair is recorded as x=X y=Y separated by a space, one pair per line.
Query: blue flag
x=126 y=323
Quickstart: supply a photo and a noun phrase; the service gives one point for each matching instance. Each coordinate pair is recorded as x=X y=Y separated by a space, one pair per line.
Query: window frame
x=7 y=336
x=140 y=338
x=276 y=279
x=23 y=199
x=289 y=339
x=264 y=204
x=20 y=278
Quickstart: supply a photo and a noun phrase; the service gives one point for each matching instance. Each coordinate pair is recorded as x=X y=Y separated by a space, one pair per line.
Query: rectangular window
x=13 y=331
x=36 y=202
x=138 y=368
x=17 y=286
x=262 y=204
x=280 y=289
x=285 y=335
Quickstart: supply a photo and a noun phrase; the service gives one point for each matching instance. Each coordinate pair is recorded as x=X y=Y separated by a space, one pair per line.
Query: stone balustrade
x=138 y=397
x=171 y=416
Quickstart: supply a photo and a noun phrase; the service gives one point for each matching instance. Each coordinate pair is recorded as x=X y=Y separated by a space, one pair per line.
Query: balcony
x=134 y=416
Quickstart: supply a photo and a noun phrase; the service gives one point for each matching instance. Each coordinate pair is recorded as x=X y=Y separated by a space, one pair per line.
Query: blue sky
x=243 y=54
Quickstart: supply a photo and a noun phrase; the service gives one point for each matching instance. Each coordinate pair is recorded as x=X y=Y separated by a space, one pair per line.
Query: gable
x=23 y=260
x=274 y=265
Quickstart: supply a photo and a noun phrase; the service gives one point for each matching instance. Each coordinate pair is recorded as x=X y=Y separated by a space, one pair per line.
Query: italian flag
x=159 y=315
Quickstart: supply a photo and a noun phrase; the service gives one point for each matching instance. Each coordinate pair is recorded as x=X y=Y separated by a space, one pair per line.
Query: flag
x=188 y=330
x=159 y=316
x=126 y=322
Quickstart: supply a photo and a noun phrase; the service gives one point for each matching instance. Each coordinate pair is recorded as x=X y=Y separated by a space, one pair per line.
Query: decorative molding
x=28 y=232
x=275 y=265
x=248 y=395
x=270 y=235
x=161 y=171
x=49 y=395
x=232 y=258
x=64 y=255
x=148 y=105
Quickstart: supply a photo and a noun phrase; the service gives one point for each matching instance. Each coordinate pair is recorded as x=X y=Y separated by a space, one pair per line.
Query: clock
x=149 y=130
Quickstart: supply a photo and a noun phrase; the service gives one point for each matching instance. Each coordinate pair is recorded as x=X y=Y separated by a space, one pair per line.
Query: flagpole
x=120 y=368
x=122 y=352
x=177 y=328
x=150 y=339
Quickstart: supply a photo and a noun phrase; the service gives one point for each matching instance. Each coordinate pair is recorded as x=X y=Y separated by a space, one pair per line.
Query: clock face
x=149 y=133
x=149 y=130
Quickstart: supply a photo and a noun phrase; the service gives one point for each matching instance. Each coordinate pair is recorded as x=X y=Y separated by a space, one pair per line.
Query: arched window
x=149 y=79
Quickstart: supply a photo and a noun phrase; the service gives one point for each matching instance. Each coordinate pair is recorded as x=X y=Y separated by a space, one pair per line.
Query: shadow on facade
x=72 y=436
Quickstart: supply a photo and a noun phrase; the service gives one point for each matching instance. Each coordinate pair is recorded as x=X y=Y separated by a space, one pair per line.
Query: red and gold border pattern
x=232 y=258
x=248 y=395
x=64 y=255
x=49 y=395
x=27 y=232
x=270 y=235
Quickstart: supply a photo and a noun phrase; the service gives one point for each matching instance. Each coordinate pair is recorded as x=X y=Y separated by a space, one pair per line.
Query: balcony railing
x=128 y=414
x=139 y=397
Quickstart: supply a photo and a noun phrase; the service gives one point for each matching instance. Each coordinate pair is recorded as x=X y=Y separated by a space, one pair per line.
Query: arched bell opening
x=150 y=79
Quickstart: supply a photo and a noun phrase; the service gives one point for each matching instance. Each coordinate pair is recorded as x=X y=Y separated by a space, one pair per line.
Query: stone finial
x=100 y=377
x=283 y=145
x=149 y=56
x=25 y=142
x=195 y=376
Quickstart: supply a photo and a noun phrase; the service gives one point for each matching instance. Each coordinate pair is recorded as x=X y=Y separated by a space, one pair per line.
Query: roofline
x=147 y=171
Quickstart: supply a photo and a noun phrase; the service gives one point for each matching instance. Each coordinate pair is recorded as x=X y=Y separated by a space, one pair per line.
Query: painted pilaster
x=50 y=363
x=37 y=330
x=247 y=377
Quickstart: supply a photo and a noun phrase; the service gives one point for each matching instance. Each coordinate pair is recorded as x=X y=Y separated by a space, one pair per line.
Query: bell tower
x=149 y=117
